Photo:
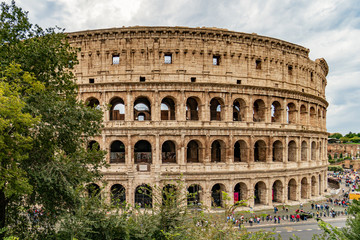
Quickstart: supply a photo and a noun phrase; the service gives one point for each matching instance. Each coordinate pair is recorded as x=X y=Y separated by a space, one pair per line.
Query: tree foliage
x=44 y=128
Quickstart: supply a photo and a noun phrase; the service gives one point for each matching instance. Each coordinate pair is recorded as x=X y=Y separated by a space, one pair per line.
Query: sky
x=329 y=28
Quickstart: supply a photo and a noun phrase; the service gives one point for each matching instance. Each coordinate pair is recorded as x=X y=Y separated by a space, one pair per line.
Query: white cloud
x=330 y=29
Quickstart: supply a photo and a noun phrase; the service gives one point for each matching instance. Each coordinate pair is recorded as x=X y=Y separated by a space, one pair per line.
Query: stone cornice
x=187 y=32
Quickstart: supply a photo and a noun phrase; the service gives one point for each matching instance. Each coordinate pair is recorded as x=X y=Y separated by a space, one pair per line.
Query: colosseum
x=225 y=111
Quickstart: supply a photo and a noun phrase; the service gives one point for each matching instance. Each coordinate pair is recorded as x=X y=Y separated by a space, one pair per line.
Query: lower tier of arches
x=208 y=191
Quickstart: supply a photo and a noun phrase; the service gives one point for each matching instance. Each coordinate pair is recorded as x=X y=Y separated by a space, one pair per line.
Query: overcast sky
x=329 y=28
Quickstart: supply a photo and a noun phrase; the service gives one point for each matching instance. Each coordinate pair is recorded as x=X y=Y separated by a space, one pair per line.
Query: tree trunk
x=2 y=212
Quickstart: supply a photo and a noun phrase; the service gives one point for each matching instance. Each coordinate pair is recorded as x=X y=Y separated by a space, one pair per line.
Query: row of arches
x=142 y=110
x=241 y=151
x=259 y=192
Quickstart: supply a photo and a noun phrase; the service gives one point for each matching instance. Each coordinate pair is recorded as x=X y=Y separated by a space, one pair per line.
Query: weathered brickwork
x=227 y=111
x=336 y=150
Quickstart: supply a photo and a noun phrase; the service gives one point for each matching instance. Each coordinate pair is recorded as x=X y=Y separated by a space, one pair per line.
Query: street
x=304 y=230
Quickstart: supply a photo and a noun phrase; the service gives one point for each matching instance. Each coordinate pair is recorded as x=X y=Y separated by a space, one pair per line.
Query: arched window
x=168 y=153
x=304 y=151
x=260 y=193
x=118 y=195
x=277 y=151
x=304 y=188
x=218 y=151
x=93 y=190
x=117 y=152
x=313 y=186
x=292 y=186
x=93 y=145
x=276 y=112
x=192 y=109
x=167 y=109
x=215 y=109
x=260 y=151
x=291 y=113
x=193 y=152
x=239 y=107
x=193 y=198
x=117 y=110
x=303 y=113
x=217 y=196
x=93 y=103
x=312 y=116
x=313 y=151
x=259 y=111
x=240 y=192
x=142 y=152
x=240 y=151
x=143 y=196
x=142 y=109
x=292 y=151
x=277 y=191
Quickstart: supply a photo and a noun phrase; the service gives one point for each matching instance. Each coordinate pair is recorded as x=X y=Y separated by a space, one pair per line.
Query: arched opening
x=291 y=113
x=169 y=195
x=142 y=152
x=239 y=107
x=168 y=153
x=312 y=116
x=118 y=195
x=142 y=109
x=320 y=152
x=93 y=103
x=319 y=118
x=303 y=151
x=193 y=152
x=260 y=193
x=277 y=151
x=292 y=151
x=117 y=110
x=313 y=186
x=167 y=109
x=218 y=151
x=93 y=190
x=313 y=151
x=259 y=111
x=117 y=152
x=240 y=192
x=260 y=151
x=193 y=198
x=143 y=196
x=240 y=151
x=277 y=191
x=93 y=146
x=292 y=190
x=304 y=188
x=276 y=112
x=320 y=188
x=303 y=113
x=216 y=106
x=192 y=109
x=216 y=195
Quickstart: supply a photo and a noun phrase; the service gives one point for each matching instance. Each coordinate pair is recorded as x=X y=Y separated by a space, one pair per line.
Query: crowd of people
x=328 y=208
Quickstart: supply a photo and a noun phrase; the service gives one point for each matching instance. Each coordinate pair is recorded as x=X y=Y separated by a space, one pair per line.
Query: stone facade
x=335 y=150
x=226 y=111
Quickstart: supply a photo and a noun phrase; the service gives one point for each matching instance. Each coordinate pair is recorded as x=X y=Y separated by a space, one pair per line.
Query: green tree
x=329 y=157
x=344 y=139
x=355 y=139
x=336 y=135
x=45 y=153
x=350 y=135
x=15 y=139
